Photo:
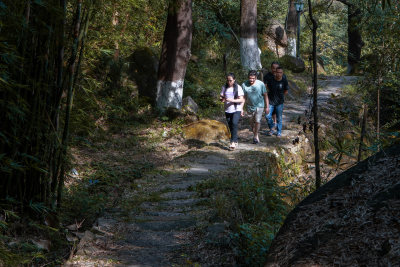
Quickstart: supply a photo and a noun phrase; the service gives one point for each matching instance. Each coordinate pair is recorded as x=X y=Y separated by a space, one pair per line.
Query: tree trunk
x=315 y=97
x=70 y=94
x=291 y=29
x=175 y=54
x=355 y=42
x=363 y=131
x=249 y=51
x=225 y=63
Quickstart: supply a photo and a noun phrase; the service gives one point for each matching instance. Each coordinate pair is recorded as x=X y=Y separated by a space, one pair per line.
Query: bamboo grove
x=41 y=45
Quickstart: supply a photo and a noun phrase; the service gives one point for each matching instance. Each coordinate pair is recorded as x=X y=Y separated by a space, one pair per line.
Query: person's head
x=278 y=73
x=274 y=66
x=252 y=76
x=230 y=79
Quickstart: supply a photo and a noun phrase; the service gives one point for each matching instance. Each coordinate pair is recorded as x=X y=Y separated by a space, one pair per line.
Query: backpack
x=235 y=92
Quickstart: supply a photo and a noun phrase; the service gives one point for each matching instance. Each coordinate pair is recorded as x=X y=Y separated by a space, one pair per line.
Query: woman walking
x=232 y=95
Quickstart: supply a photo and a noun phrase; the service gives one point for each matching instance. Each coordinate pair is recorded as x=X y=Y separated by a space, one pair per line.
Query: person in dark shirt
x=277 y=89
x=270 y=75
x=268 y=78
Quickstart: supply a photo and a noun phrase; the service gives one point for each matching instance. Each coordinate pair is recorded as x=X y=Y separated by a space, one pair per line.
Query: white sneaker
x=233 y=145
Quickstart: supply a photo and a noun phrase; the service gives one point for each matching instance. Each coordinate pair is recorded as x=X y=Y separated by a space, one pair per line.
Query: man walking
x=277 y=89
x=270 y=75
x=257 y=101
x=268 y=78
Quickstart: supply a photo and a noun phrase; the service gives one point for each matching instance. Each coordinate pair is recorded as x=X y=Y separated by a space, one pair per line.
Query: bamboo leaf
x=24 y=155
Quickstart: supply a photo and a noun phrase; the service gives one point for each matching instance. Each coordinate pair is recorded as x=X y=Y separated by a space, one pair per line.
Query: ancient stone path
x=159 y=230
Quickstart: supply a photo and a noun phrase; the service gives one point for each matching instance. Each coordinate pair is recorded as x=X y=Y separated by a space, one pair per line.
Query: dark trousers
x=233 y=120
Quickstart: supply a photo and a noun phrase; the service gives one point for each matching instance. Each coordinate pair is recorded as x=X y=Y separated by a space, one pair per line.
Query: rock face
x=353 y=220
x=143 y=69
x=292 y=63
x=208 y=131
x=275 y=38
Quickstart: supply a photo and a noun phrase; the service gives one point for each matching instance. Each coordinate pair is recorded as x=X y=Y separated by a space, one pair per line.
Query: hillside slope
x=353 y=220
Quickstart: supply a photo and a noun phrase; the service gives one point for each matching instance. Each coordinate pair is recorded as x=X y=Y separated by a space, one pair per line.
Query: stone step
x=165 y=226
x=146 y=218
x=178 y=195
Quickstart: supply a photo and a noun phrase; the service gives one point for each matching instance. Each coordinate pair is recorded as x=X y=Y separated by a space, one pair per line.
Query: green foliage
x=252 y=242
x=255 y=201
x=341 y=139
x=259 y=199
x=331 y=35
x=18 y=234
x=107 y=96
x=261 y=205
x=381 y=67
x=271 y=10
x=31 y=115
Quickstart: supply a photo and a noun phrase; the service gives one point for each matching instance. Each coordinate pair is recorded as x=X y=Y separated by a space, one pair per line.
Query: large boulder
x=189 y=105
x=208 y=131
x=143 y=66
x=275 y=38
x=353 y=220
x=293 y=63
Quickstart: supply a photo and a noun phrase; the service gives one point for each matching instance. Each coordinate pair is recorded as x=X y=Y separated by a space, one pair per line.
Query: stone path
x=163 y=226
x=154 y=234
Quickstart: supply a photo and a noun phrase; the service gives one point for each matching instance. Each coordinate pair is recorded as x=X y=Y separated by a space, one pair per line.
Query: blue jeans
x=233 y=120
x=279 y=111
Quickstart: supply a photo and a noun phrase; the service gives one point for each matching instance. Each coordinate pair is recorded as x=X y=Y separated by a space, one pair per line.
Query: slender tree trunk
x=249 y=51
x=378 y=115
x=54 y=166
x=175 y=54
x=355 y=42
x=315 y=97
x=363 y=130
x=225 y=63
x=64 y=141
x=115 y=22
x=291 y=28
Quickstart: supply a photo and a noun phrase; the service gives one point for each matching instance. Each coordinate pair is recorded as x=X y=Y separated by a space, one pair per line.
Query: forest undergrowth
x=254 y=199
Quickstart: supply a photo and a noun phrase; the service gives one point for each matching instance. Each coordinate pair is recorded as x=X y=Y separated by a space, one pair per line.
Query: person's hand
x=229 y=99
x=242 y=113
x=266 y=110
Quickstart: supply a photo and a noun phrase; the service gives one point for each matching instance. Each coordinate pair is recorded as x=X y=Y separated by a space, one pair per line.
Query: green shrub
x=254 y=203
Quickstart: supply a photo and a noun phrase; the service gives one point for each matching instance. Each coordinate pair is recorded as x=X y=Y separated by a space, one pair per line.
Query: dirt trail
x=159 y=231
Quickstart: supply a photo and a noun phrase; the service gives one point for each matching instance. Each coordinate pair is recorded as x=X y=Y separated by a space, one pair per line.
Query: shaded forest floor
x=147 y=197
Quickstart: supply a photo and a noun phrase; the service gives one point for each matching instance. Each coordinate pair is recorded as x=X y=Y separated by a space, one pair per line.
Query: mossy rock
x=294 y=64
x=208 y=131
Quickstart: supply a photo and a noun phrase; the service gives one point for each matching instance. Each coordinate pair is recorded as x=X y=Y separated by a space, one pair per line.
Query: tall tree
x=355 y=42
x=175 y=54
x=291 y=28
x=249 y=51
x=315 y=96
x=354 y=37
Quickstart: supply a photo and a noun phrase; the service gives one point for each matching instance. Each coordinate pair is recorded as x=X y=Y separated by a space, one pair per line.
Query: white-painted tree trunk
x=291 y=48
x=169 y=94
x=250 y=54
x=291 y=28
x=175 y=55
